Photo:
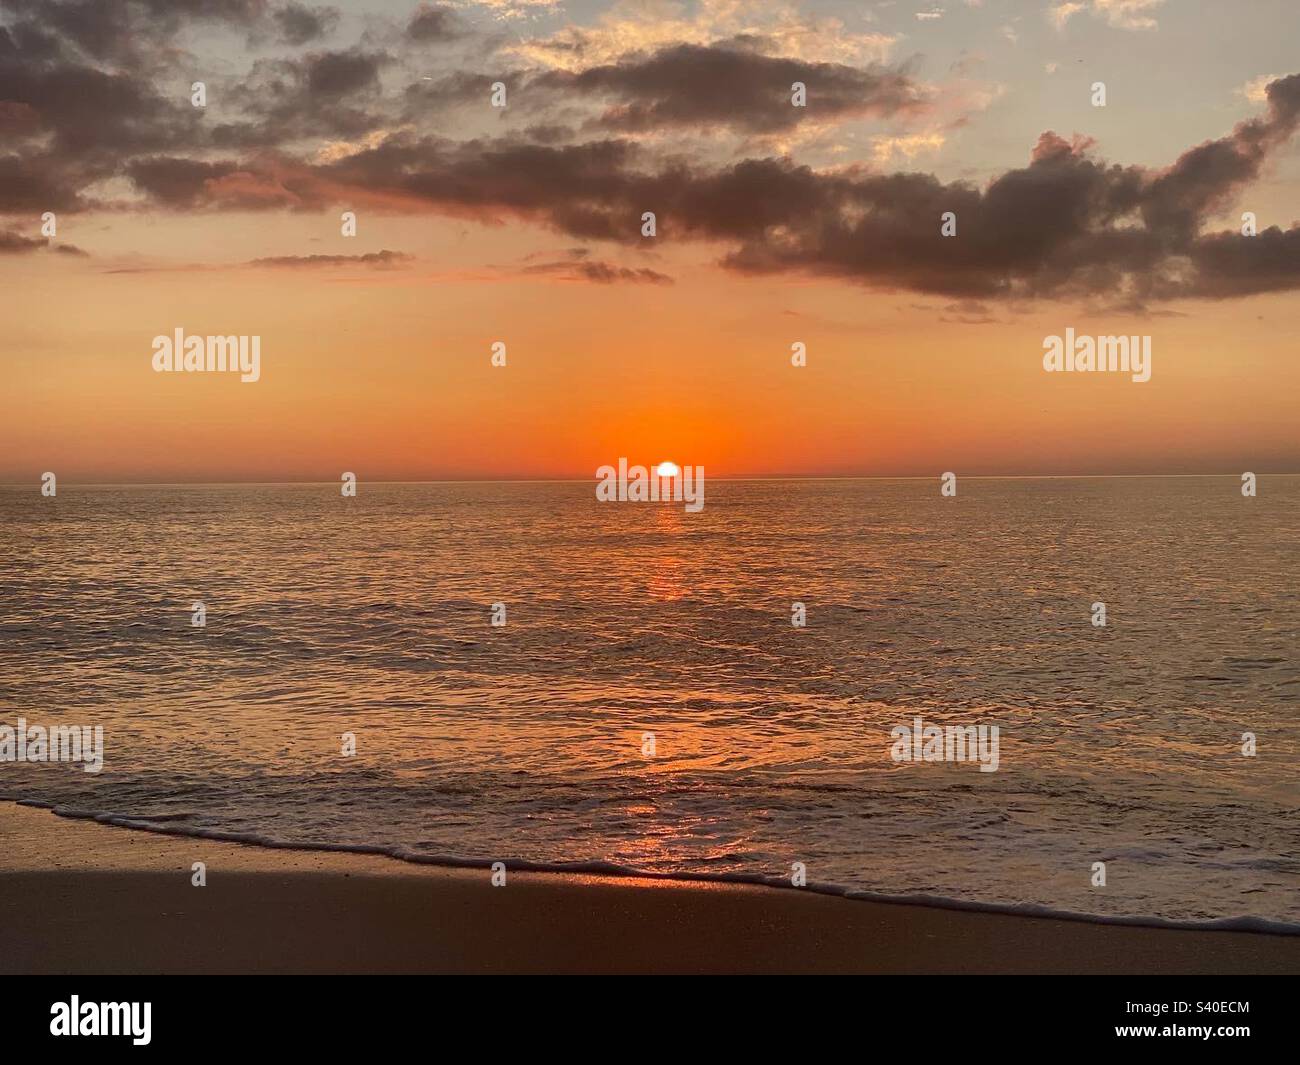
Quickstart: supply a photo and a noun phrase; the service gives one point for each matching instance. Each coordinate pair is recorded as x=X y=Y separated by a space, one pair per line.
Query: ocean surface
x=524 y=743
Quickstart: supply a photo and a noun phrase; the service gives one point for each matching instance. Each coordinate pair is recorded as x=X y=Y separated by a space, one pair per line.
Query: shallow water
x=371 y=615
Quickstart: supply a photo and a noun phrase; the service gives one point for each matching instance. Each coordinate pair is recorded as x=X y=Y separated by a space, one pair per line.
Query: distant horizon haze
x=506 y=479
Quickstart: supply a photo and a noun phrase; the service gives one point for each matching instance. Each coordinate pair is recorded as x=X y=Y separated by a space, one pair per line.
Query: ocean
x=648 y=704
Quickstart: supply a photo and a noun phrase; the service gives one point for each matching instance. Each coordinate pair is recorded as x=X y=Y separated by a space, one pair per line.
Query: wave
x=167 y=826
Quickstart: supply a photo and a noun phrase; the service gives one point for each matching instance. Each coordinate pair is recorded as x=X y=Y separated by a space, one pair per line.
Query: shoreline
x=80 y=896
x=602 y=870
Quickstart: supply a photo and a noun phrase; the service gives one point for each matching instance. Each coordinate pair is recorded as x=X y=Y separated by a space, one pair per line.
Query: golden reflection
x=664 y=576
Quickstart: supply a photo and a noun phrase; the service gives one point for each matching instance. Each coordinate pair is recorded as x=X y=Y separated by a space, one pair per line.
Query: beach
x=81 y=897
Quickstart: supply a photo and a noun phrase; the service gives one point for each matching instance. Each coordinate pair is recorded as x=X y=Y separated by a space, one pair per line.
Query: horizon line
x=586 y=480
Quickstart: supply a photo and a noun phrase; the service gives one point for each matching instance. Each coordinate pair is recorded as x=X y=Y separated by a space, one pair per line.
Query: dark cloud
x=375 y=258
x=1202 y=177
x=300 y=24
x=16 y=244
x=584 y=189
x=326 y=94
x=119 y=30
x=87 y=110
x=18 y=119
x=80 y=106
x=41 y=181
x=724 y=85
x=967 y=312
x=68 y=125
x=12 y=243
x=577 y=266
x=434 y=22
x=429 y=95
x=1065 y=225
x=547 y=133
x=176 y=182
x=331 y=74
x=604 y=273
x=1227 y=264
x=729 y=85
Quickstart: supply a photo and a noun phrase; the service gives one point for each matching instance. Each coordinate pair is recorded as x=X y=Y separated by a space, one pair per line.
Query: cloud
x=728 y=85
x=577 y=267
x=99 y=103
x=1127 y=14
x=131 y=32
x=12 y=243
x=317 y=130
x=16 y=244
x=1062 y=13
x=332 y=74
x=1066 y=225
x=968 y=312
x=509 y=9
x=378 y=259
x=176 y=182
x=44 y=181
x=82 y=104
x=84 y=110
x=333 y=94
x=299 y=24
x=434 y=22
x=1199 y=182
x=1256 y=90
x=771 y=27
x=909 y=145
x=1121 y=14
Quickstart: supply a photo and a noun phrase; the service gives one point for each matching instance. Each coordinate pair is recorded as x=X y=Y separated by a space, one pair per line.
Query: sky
x=819 y=225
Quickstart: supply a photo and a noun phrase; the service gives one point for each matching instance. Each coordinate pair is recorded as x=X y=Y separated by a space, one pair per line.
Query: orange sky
x=387 y=374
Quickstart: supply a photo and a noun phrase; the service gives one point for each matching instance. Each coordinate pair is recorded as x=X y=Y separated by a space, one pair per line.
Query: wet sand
x=81 y=897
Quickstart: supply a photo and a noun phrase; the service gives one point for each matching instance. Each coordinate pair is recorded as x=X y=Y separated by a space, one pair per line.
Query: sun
x=667 y=469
